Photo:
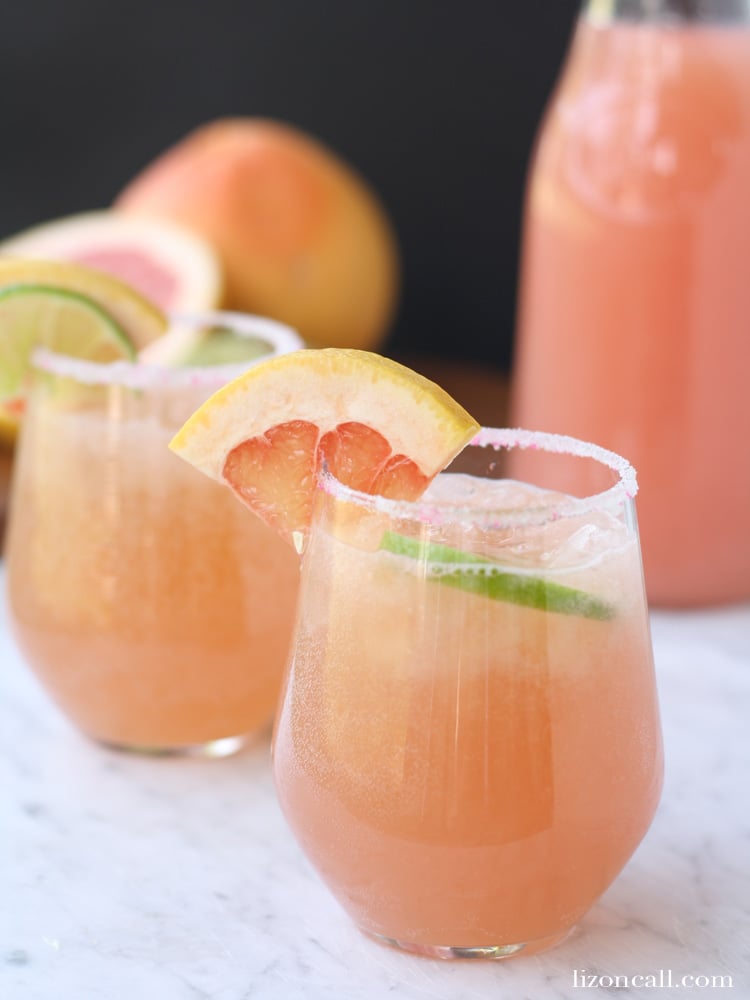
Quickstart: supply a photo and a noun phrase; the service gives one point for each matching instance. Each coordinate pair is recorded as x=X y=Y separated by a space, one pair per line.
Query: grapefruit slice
x=379 y=427
x=173 y=268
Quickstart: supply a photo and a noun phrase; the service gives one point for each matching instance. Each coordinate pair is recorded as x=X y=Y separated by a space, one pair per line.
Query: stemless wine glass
x=154 y=612
x=468 y=746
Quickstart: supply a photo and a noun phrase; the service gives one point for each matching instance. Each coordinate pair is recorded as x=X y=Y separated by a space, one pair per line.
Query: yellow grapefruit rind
x=328 y=387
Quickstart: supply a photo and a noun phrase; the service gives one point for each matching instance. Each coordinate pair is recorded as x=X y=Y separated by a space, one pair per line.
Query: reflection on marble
x=134 y=879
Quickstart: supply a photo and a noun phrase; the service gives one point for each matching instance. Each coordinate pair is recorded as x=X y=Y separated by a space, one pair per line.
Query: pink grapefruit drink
x=152 y=610
x=468 y=746
x=635 y=297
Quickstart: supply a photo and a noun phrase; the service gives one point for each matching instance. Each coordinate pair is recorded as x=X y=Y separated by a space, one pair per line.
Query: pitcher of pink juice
x=634 y=308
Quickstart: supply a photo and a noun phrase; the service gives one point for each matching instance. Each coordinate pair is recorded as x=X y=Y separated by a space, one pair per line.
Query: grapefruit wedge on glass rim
x=378 y=426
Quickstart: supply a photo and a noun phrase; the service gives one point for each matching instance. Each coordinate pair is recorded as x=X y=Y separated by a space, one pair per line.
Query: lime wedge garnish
x=62 y=320
x=488 y=580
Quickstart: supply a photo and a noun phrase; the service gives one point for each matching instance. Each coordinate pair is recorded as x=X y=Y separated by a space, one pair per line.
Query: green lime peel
x=531 y=591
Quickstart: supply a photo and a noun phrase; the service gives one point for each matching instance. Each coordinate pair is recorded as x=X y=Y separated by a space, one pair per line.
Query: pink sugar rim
x=440 y=511
x=137 y=375
x=562 y=444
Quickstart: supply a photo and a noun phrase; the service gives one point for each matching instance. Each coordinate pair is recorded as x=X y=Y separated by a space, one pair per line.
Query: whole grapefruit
x=302 y=237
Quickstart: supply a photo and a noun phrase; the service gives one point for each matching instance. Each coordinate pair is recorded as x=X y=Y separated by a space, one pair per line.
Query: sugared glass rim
x=139 y=375
x=446 y=511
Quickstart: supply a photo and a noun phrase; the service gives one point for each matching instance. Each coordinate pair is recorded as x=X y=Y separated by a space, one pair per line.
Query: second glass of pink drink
x=635 y=284
x=468 y=746
x=151 y=608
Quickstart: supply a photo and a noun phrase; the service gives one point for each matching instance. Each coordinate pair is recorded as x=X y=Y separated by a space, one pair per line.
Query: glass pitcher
x=635 y=276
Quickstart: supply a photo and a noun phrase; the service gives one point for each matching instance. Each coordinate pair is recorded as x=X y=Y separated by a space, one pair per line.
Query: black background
x=436 y=103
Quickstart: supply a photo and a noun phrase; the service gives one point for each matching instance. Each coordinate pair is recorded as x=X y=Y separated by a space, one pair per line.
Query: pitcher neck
x=674 y=11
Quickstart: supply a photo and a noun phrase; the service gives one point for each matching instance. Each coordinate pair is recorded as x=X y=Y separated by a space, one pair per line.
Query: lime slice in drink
x=478 y=575
x=195 y=346
x=219 y=339
x=64 y=321
x=223 y=347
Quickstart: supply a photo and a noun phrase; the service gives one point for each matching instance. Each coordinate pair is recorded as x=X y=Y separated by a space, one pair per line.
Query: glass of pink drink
x=634 y=293
x=468 y=745
x=153 y=611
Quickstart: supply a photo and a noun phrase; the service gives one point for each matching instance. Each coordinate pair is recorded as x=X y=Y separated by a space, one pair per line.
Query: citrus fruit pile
x=380 y=428
x=249 y=215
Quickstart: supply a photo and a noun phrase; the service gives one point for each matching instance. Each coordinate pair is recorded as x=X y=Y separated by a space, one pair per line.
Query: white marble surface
x=133 y=879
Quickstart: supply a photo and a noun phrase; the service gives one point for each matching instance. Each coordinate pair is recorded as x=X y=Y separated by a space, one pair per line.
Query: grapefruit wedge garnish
x=378 y=426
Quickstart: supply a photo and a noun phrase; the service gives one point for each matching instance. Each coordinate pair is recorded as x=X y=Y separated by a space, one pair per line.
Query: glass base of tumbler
x=492 y=952
x=213 y=748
